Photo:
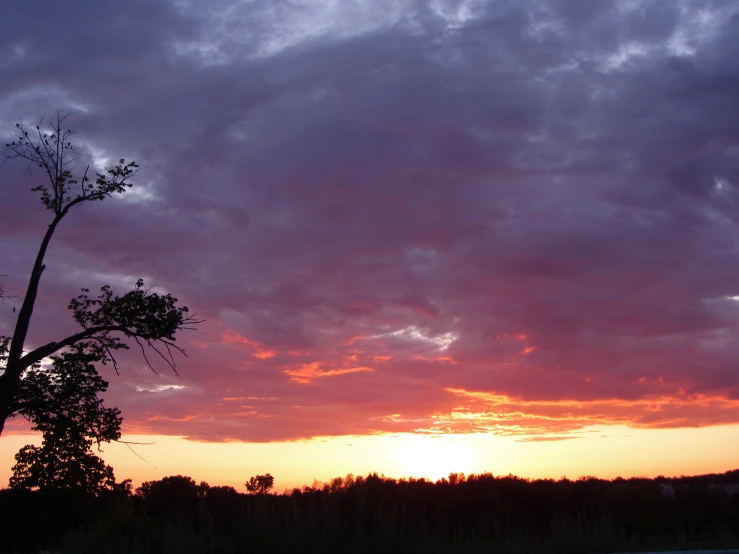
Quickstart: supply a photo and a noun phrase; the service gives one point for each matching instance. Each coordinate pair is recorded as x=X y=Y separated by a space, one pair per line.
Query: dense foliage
x=476 y=513
x=260 y=484
x=62 y=401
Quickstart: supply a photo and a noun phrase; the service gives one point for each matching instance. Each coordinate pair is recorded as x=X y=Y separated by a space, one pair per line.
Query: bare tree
x=149 y=319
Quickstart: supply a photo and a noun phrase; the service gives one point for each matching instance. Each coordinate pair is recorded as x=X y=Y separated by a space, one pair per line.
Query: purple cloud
x=395 y=216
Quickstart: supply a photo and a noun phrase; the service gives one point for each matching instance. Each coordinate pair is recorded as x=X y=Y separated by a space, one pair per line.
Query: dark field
x=479 y=513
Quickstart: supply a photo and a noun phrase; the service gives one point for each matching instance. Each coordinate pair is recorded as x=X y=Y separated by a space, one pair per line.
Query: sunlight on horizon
x=605 y=452
x=435 y=457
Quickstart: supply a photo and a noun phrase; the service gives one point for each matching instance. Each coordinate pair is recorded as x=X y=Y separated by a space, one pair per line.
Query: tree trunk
x=10 y=380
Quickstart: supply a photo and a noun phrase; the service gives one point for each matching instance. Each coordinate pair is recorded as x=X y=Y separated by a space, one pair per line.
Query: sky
x=498 y=234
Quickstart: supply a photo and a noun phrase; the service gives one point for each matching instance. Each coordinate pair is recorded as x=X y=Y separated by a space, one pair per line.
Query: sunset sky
x=424 y=235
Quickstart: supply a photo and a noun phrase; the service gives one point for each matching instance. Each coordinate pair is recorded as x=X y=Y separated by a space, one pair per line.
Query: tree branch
x=42 y=352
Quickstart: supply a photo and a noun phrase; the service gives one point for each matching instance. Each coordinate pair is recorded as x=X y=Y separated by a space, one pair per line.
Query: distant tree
x=176 y=494
x=147 y=318
x=203 y=489
x=221 y=503
x=62 y=402
x=176 y=487
x=456 y=478
x=220 y=492
x=260 y=484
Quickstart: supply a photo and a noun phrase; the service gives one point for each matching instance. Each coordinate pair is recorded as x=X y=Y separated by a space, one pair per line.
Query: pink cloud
x=308 y=373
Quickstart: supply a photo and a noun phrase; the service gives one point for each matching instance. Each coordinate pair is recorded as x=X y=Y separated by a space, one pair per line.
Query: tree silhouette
x=173 y=495
x=260 y=484
x=62 y=402
x=151 y=320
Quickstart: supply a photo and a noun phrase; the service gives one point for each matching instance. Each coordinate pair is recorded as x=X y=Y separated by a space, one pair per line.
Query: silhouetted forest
x=475 y=513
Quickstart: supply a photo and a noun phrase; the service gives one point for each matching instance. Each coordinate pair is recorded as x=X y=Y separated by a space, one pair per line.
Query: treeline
x=475 y=513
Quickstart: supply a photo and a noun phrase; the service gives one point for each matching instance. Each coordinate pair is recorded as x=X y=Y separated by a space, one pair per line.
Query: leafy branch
x=52 y=151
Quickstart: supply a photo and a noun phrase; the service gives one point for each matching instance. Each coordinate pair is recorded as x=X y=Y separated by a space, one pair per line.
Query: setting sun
x=434 y=457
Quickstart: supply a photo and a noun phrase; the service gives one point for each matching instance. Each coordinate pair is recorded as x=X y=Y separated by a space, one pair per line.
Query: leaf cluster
x=147 y=315
x=63 y=463
x=4 y=349
x=62 y=402
x=260 y=484
x=149 y=318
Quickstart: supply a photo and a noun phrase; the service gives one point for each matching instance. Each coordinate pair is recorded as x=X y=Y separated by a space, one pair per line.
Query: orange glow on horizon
x=604 y=451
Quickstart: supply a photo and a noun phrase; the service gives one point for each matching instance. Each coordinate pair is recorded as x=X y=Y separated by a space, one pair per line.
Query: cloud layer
x=456 y=215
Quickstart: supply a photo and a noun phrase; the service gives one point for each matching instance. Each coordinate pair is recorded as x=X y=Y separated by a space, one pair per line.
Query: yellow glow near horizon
x=435 y=457
x=605 y=452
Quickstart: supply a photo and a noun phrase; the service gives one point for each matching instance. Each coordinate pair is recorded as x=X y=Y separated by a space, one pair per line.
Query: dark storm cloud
x=393 y=214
